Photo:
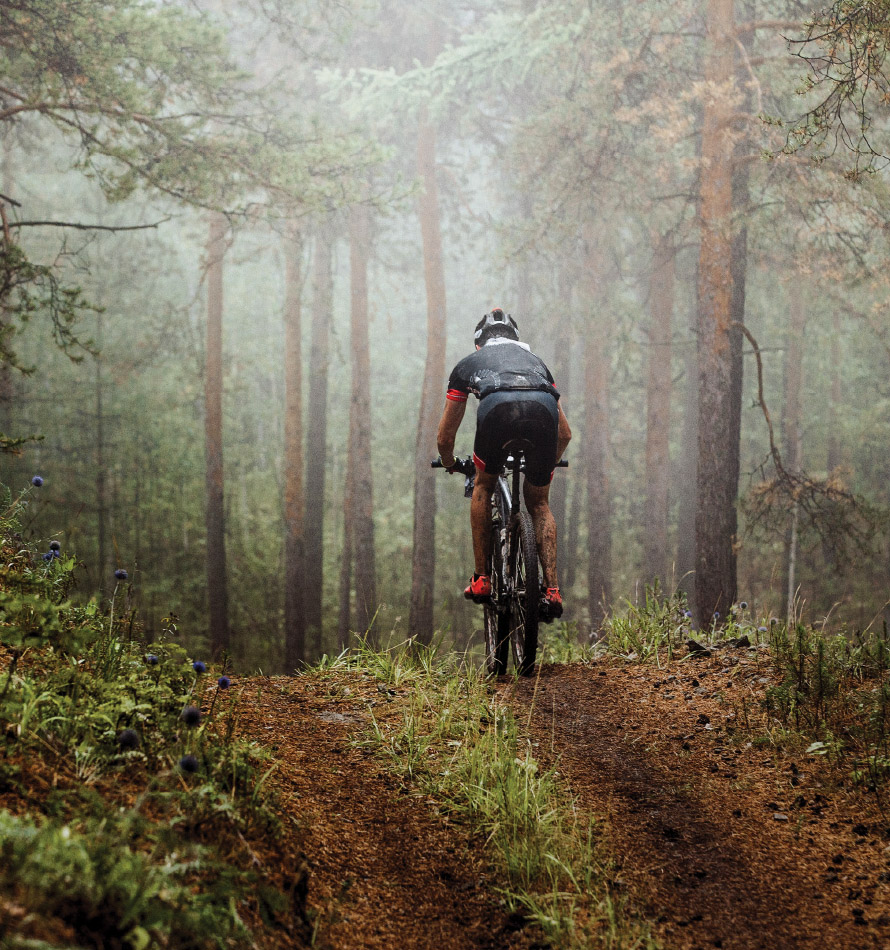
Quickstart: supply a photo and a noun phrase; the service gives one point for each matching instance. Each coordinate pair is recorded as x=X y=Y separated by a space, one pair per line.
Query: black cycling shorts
x=510 y=420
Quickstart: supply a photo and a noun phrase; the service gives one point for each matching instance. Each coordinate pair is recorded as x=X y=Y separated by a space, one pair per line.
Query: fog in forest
x=244 y=244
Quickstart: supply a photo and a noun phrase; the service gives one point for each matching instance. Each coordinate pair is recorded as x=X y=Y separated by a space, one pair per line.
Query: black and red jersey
x=500 y=366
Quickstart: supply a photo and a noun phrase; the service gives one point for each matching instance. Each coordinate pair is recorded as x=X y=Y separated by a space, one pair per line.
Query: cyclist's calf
x=480 y=517
x=537 y=501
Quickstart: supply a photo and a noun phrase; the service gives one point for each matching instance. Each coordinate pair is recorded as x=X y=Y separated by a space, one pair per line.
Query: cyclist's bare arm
x=452 y=416
x=563 y=433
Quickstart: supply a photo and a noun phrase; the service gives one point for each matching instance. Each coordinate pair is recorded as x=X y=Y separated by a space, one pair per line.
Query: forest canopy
x=243 y=243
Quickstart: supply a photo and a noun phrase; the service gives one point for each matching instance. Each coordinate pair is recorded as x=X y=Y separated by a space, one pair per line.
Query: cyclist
x=518 y=402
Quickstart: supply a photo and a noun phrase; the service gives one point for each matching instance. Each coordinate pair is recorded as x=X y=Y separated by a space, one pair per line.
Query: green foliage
x=846 y=47
x=168 y=863
x=27 y=289
x=91 y=877
x=835 y=689
x=650 y=630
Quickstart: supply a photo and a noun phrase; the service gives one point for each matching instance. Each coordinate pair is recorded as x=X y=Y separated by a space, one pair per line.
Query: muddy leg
x=537 y=500
x=480 y=518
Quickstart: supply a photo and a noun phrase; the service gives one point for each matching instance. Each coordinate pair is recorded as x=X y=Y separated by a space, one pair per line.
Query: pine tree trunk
x=562 y=371
x=791 y=433
x=687 y=474
x=101 y=471
x=658 y=413
x=715 y=580
x=316 y=449
x=7 y=386
x=423 y=563
x=217 y=588
x=362 y=481
x=741 y=200
x=294 y=615
x=569 y=562
x=597 y=438
x=834 y=458
x=344 y=617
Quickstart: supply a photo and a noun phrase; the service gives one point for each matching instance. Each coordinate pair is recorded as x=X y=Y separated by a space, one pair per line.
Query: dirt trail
x=723 y=844
x=384 y=871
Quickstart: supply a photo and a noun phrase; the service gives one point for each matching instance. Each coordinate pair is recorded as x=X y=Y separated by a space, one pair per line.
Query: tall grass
x=458 y=741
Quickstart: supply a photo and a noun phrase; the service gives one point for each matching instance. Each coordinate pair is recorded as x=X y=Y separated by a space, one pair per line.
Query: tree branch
x=87 y=227
x=754 y=25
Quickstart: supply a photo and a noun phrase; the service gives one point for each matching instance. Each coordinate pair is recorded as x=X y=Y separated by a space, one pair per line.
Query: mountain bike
x=512 y=612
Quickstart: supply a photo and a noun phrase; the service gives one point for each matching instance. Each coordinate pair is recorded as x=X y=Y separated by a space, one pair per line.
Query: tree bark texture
x=658 y=412
x=294 y=580
x=741 y=199
x=687 y=471
x=217 y=585
x=317 y=425
x=101 y=471
x=423 y=561
x=344 y=617
x=834 y=459
x=569 y=561
x=791 y=432
x=362 y=481
x=597 y=364
x=562 y=371
x=715 y=578
x=7 y=387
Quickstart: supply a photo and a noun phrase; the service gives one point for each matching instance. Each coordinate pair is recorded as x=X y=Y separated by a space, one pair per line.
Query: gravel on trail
x=721 y=841
x=385 y=870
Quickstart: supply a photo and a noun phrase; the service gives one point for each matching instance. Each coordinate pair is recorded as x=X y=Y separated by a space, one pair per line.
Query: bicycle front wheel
x=523 y=615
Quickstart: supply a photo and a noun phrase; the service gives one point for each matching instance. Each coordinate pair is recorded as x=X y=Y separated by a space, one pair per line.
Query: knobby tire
x=497 y=635
x=522 y=627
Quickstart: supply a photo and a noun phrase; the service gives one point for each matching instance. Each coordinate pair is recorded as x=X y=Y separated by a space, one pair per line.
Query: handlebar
x=466 y=466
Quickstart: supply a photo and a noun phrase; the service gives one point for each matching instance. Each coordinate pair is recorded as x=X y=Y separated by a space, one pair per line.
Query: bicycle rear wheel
x=523 y=614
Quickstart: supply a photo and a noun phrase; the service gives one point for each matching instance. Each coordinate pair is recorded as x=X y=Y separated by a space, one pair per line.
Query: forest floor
x=718 y=838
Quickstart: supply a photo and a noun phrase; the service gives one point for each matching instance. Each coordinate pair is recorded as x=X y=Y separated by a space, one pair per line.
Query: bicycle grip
x=562 y=463
x=436 y=463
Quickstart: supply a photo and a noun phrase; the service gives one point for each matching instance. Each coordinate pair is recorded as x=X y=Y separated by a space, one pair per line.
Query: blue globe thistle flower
x=744 y=605
x=56 y=554
x=55 y=546
x=188 y=763
x=120 y=574
x=773 y=621
x=687 y=614
x=716 y=614
x=190 y=715
x=128 y=739
x=223 y=682
x=151 y=659
x=37 y=481
x=48 y=556
x=761 y=629
x=199 y=666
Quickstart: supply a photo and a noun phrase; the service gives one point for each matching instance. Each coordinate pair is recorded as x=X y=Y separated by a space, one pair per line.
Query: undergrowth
x=131 y=813
x=830 y=689
x=456 y=741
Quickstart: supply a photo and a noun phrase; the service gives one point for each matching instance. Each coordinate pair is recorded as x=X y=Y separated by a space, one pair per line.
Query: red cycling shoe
x=480 y=589
x=551 y=605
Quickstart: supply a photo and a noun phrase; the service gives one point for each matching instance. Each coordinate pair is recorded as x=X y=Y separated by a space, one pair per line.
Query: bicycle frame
x=511 y=612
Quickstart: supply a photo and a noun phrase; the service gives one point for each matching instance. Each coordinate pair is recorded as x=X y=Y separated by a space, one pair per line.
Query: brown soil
x=384 y=870
x=720 y=841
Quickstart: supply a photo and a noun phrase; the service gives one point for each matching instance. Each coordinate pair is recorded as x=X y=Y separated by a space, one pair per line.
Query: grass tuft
x=457 y=741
